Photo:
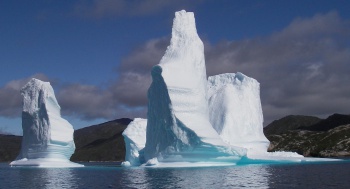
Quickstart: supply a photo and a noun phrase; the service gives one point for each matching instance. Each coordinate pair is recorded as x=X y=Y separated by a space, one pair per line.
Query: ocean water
x=102 y=175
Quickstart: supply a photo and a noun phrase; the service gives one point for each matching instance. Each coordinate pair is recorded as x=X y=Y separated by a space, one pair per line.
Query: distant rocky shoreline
x=306 y=135
x=311 y=136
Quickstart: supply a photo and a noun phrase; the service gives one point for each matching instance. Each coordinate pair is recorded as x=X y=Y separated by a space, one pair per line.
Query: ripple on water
x=331 y=175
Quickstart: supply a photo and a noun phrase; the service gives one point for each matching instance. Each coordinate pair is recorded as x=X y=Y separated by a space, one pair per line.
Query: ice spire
x=47 y=138
x=178 y=127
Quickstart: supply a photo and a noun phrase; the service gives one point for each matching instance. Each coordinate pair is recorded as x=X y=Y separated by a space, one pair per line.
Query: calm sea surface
x=102 y=175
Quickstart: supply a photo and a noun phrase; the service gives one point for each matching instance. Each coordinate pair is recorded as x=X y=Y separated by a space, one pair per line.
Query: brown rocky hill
x=10 y=146
x=326 y=138
x=102 y=142
x=290 y=122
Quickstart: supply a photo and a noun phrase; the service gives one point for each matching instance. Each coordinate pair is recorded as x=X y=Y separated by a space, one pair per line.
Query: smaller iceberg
x=236 y=114
x=47 y=137
x=235 y=111
x=135 y=140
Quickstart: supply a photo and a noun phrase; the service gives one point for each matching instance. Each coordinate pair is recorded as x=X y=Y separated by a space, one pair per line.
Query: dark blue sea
x=111 y=175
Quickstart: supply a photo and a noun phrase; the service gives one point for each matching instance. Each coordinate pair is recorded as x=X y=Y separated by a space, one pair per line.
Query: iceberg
x=47 y=137
x=235 y=111
x=135 y=140
x=178 y=126
x=192 y=121
x=236 y=115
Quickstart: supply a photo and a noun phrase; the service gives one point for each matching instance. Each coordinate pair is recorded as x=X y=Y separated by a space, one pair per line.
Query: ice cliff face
x=135 y=140
x=178 y=127
x=47 y=138
x=235 y=111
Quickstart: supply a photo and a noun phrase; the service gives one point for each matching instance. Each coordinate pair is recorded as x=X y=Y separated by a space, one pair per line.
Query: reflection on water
x=252 y=176
x=332 y=175
x=133 y=178
x=245 y=176
x=215 y=177
x=40 y=178
x=58 y=178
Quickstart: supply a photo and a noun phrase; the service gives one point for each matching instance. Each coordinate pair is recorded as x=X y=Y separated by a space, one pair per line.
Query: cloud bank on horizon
x=303 y=68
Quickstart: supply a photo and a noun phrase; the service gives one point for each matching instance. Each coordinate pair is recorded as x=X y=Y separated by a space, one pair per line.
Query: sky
x=97 y=54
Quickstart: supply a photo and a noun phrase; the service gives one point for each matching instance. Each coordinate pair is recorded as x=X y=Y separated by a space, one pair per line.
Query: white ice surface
x=279 y=157
x=47 y=137
x=45 y=163
x=178 y=127
x=152 y=162
x=235 y=110
x=190 y=164
x=261 y=158
x=135 y=140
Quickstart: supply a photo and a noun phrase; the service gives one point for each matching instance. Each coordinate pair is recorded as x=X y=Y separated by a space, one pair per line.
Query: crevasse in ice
x=47 y=137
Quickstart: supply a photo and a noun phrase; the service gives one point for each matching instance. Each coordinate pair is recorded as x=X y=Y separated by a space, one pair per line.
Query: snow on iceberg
x=178 y=127
x=135 y=140
x=235 y=111
x=47 y=137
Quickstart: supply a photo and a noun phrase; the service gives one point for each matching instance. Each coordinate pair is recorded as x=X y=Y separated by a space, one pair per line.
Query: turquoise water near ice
x=110 y=175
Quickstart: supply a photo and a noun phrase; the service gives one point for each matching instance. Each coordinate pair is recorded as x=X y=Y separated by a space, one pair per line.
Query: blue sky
x=97 y=54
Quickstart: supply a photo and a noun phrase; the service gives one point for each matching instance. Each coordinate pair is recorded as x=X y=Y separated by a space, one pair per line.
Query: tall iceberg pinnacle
x=47 y=137
x=178 y=127
x=192 y=121
x=235 y=111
